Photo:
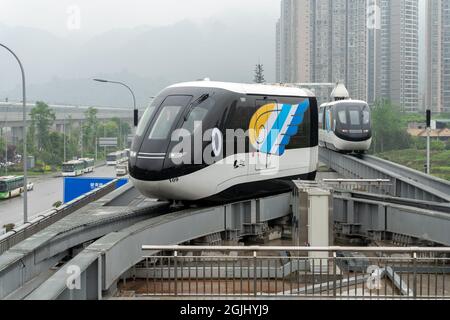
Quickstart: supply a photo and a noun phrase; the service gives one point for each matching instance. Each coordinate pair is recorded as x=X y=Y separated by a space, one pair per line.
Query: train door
x=267 y=112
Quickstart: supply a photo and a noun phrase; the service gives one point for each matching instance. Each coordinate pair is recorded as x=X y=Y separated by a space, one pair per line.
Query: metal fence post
x=175 y=263
x=254 y=273
x=334 y=274
x=415 y=275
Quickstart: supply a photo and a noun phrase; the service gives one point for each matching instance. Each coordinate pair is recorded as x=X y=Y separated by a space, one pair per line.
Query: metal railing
x=47 y=218
x=356 y=184
x=293 y=272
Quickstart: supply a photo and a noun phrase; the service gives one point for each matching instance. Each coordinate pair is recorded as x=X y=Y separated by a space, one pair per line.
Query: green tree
x=72 y=139
x=2 y=148
x=90 y=128
x=389 y=132
x=55 y=155
x=123 y=130
x=259 y=74
x=42 y=119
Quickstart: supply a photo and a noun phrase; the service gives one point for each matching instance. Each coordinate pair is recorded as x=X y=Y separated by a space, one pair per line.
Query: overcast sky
x=98 y=16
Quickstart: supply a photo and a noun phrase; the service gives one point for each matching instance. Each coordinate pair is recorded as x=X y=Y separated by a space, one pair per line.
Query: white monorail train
x=281 y=144
x=345 y=124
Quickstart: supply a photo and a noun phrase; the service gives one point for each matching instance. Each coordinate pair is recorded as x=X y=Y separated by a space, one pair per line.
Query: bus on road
x=73 y=168
x=88 y=165
x=11 y=186
x=115 y=158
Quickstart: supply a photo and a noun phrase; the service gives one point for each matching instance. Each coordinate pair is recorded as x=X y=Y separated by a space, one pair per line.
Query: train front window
x=144 y=120
x=342 y=114
x=164 y=123
x=355 y=118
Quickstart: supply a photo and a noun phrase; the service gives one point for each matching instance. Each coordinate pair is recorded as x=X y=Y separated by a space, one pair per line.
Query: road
x=47 y=191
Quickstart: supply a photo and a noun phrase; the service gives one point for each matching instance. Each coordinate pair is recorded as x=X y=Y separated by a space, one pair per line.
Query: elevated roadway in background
x=11 y=116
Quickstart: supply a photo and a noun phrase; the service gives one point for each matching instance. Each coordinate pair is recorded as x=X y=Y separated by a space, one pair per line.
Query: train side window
x=321 y=118
x=198 y=114
x=303 y=137
x=366 y=115
x=238 y=117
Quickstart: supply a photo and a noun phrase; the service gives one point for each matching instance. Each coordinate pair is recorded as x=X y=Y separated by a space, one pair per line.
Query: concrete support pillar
x=315 y=218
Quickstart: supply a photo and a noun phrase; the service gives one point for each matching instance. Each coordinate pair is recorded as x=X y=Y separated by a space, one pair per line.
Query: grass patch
x=416 y=159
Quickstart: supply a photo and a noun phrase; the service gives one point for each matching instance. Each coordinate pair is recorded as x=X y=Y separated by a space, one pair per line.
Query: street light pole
x=64 y=134
x=428 y=141
x=136 y=112
x=24 y=119
x=6 y=141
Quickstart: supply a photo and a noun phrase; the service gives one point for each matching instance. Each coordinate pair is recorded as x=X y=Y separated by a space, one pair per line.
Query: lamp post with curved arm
x=24 y=156
x=136 y=112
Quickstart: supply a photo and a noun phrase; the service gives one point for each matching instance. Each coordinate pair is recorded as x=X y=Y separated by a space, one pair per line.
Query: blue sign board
x=76 y=187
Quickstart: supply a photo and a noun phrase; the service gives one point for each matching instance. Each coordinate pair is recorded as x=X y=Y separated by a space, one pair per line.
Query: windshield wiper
x=195 y=103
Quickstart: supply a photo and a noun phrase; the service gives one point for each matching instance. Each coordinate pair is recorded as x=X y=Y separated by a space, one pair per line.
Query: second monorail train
x=345 y=126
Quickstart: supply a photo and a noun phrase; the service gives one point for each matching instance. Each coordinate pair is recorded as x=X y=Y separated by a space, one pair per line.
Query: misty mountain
x=59 y=70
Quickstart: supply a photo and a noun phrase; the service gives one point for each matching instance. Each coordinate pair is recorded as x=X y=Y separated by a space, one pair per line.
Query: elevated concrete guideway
x=405 y=182
x=123 y=221
x=106 y=260
x=24 y=263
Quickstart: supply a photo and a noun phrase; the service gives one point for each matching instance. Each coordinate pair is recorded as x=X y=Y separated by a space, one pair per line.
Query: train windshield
x=164 y=123
x=355 y=115
x=144 y=120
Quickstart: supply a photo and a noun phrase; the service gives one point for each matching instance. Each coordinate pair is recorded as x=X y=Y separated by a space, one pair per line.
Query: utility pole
x=428 y=141
x=81 y=135
x=64 y=134
x=6 y=141
x=96 y=142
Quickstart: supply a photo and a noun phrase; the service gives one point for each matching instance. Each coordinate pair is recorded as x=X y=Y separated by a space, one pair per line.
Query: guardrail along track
x=47 y=218
x=405 y=182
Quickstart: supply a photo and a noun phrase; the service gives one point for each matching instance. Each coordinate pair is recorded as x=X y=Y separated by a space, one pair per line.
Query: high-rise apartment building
x=400 y=53
x=370 y=45
x=438 y=55
x=293 y=39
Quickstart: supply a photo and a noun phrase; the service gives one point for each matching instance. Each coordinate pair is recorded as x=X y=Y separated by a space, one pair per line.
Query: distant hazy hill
x=59 y=69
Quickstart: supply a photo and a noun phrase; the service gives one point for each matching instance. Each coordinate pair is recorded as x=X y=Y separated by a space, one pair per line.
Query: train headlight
x=177 y=155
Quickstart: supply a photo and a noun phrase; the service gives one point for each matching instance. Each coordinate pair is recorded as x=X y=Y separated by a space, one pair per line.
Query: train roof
x=347 y=101
x=244 y=88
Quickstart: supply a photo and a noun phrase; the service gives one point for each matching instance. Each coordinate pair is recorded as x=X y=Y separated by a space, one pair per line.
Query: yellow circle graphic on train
x=273 y=125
